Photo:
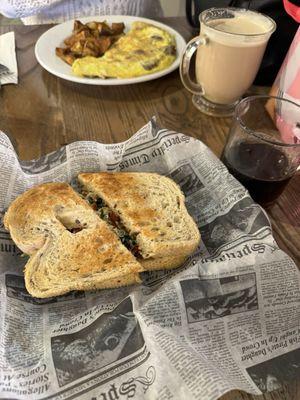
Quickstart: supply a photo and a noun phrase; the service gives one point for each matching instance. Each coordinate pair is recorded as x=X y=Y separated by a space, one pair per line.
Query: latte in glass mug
x=229 y=48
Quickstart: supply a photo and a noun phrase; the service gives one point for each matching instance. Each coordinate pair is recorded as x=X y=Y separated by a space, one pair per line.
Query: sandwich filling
x=114 y=221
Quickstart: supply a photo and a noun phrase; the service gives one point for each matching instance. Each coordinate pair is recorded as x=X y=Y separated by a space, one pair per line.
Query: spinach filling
x=114 y=221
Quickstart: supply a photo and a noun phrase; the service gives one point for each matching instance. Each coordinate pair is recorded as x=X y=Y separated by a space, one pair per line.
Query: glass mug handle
x=190 y=49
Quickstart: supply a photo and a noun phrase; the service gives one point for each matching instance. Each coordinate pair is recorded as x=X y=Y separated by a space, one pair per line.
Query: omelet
x=143 y=50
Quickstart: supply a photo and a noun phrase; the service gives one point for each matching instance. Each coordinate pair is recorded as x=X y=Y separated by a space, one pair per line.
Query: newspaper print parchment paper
x=227 y=319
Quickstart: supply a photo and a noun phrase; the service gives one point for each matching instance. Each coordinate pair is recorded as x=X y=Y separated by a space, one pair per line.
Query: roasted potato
x=90 y=39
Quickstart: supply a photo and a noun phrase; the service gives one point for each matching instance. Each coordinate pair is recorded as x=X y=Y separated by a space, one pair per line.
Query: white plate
x=54 y=37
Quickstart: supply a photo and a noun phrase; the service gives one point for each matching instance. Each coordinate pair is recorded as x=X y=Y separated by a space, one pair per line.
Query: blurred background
x=171 y=8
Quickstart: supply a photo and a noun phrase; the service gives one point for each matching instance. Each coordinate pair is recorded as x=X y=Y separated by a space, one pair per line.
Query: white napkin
x=8 y=57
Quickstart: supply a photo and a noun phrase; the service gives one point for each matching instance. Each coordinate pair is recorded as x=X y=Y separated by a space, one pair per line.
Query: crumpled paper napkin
x=8 y=57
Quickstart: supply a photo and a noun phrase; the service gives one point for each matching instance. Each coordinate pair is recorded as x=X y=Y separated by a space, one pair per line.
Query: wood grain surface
x=43 y=112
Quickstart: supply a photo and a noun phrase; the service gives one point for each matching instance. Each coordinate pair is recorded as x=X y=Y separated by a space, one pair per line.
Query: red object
x=114 y=218
x=292 y=10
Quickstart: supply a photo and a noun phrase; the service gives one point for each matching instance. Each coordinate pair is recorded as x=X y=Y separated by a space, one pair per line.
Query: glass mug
x=259 y=152
x=230 y=48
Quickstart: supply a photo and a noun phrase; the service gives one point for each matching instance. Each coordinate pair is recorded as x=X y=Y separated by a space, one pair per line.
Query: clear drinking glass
x=230 y=48
x=263 y=146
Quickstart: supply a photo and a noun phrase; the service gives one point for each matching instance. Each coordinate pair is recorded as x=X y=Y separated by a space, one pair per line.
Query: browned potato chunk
x=92 y=25
x=117 y=28
x=64 y=55
x=104 y=29
x=77 y=47
x=77 y=26
x=103 y=44
x=69 y=58
x=89 y=50
x=90 y=39
x=69 y=40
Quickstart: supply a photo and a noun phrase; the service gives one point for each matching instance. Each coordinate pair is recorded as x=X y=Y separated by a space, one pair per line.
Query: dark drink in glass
x=263 y=169
x=263 y=148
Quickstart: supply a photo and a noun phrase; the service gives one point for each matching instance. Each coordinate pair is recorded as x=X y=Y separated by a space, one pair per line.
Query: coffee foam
x=247 y=27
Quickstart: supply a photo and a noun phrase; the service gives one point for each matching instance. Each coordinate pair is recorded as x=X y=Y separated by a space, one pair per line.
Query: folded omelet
x=143 y=50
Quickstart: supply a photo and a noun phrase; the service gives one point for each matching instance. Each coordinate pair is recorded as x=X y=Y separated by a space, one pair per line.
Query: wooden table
x=42 y=113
